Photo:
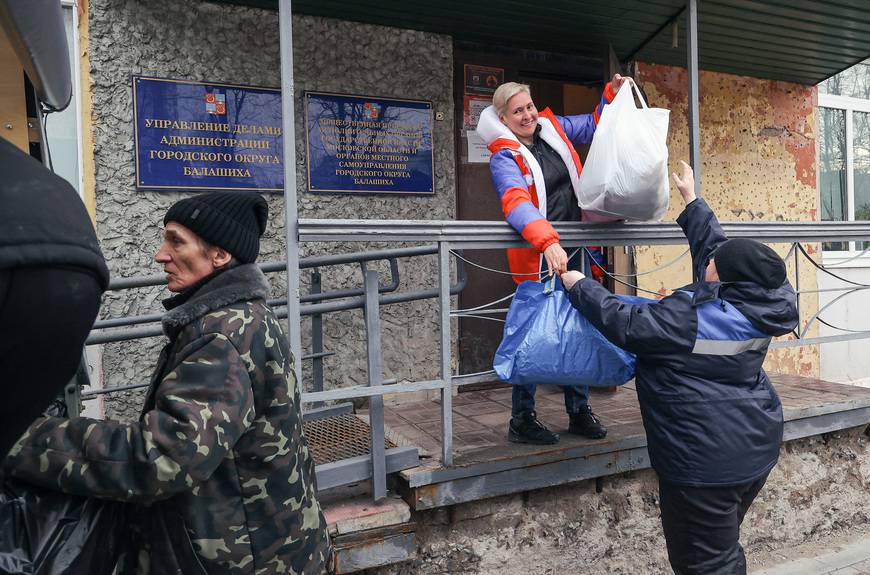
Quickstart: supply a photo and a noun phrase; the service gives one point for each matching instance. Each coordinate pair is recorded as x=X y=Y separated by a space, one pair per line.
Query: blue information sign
x=207 y=136
x=367 y=145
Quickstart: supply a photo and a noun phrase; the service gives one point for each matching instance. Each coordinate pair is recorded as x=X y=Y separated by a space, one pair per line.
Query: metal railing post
x=797 y=284
x=72 y=398
x=72 y=391
x=291 y=210
x=694 y=108
x=316 y=335
x=375 y=376
x=446 y=371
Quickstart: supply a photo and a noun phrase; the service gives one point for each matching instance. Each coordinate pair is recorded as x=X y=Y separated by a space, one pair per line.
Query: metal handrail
x=490 y=234
x=267 y=267
x=484 y=234
x=480 y=235
x=332 y=294
x=304 y=263
x=280 y=309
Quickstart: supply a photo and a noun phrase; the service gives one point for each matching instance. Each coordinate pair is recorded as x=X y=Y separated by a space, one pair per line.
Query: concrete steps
x=368 y=534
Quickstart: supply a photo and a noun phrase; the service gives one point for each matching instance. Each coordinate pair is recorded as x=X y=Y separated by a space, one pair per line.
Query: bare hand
x=557 y=259
x=570 y=278
x=618 y=80
x=686 y=183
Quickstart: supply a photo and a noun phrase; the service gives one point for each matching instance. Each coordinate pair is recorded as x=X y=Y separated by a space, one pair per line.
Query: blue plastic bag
x=547 y=341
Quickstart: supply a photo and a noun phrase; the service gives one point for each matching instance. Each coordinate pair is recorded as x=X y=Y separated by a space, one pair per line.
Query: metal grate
x=339 y=437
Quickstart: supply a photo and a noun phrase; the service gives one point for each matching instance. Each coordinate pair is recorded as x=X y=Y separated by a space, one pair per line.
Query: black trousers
x=702 y=526
x=45 y=316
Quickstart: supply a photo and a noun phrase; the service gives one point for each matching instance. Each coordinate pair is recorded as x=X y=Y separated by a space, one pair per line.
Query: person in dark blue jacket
x=712 y=418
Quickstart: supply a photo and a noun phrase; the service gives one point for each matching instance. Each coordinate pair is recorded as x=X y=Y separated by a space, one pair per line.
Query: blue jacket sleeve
x=580 y=129
x=704 y=234
x=505 y=172
x=659 y=328
x=516 y=202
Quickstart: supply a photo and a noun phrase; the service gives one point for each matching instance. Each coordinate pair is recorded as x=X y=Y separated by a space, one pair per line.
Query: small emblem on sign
x=215 y=103
x=371 y=110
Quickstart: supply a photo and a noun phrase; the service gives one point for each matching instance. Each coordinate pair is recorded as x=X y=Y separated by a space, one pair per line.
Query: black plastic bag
x=44 y=532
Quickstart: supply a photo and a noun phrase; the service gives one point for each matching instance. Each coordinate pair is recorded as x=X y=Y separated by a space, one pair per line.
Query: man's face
x=711 y=274
x=183 y=258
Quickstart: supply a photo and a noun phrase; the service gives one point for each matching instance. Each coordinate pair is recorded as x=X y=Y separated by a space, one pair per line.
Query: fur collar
x=241 y=283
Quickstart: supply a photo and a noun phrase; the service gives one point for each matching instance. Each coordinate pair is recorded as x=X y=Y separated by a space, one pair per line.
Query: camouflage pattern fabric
x=218 y=453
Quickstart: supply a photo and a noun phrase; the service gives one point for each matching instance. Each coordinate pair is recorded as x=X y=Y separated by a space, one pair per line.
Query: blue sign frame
x=207 y=136
x=368 y=145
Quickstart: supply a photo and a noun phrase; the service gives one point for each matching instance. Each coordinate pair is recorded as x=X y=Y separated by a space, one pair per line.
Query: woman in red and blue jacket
x=536 y=170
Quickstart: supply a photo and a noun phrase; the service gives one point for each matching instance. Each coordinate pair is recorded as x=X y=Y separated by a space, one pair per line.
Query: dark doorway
x=565 y=84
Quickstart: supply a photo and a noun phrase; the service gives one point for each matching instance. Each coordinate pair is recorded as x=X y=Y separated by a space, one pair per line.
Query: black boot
x=586 y=424
x=527 y=429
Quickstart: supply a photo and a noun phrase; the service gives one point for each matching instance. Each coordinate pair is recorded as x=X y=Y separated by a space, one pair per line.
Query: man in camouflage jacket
x=217 y=463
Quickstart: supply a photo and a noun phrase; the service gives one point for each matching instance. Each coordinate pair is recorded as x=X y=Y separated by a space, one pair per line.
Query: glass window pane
x=854 y=82
x=861 y=165
x=832 y=168
x=62 y=127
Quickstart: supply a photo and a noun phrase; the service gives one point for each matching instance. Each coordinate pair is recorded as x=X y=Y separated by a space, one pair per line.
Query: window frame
x=849 y=105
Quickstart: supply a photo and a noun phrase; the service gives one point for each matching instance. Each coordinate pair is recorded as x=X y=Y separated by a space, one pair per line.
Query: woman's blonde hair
x=504 y=93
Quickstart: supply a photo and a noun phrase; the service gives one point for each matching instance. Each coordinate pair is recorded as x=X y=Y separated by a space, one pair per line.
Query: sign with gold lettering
x=368 y=145
x=207 y=136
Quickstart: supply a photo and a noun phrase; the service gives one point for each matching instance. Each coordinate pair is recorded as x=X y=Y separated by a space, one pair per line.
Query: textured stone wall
x=193 y=40
x=819 y=486
x=758 y=162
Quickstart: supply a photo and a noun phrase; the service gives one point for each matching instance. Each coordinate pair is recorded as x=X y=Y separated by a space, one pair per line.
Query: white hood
x=490 y=128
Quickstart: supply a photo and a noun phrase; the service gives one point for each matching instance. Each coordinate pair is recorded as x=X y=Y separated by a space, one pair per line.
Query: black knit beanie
x=743 y=259
x=233 y=221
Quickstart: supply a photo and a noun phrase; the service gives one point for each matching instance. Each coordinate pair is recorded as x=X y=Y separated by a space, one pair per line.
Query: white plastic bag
x=626 y=171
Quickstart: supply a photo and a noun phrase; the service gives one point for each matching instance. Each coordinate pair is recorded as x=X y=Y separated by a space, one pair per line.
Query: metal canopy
x=804 y=41
x=36 y=31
